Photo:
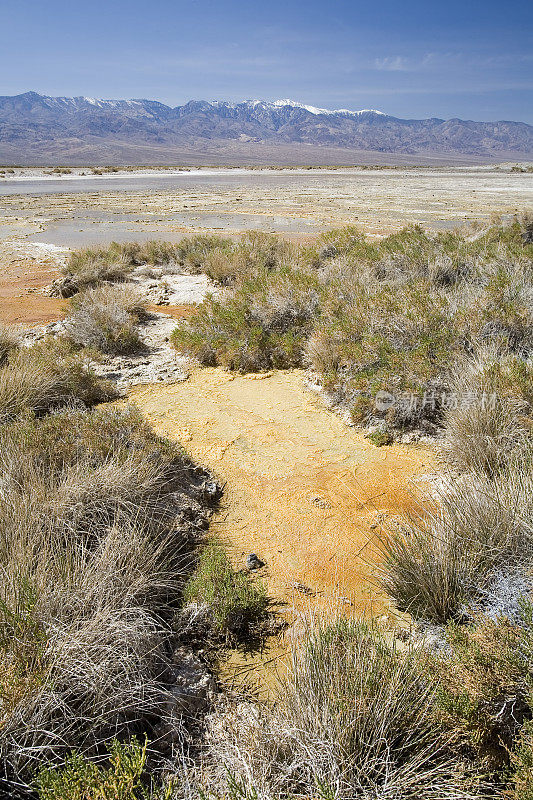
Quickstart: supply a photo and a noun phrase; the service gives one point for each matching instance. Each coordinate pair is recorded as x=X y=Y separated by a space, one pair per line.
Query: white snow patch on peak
x=312 y=109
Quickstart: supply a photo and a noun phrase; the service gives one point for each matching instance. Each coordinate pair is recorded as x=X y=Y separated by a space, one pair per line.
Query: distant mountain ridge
x=33 y=125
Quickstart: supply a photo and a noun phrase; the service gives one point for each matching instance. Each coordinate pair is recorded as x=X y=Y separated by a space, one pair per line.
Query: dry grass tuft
x=106 y=318
x=9 y=341
x=94 y=553
x=446 y=558
x=492 y=420
x=352 y=720
x=47 y=376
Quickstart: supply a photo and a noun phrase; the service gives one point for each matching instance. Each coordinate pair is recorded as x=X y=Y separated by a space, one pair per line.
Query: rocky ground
x=157 y=361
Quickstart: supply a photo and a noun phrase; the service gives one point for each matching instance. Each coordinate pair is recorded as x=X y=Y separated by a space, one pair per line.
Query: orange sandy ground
x=304 y=491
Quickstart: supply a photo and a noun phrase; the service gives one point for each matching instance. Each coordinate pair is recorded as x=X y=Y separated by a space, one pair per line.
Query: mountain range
x=37 y=129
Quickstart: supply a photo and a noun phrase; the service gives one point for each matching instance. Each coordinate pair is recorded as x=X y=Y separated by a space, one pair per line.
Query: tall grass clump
x=106 y=318
x=448 y=556
x=9 y=342
x=352 y=719
x=491 y=420
x=47 y=376
x=99 y=521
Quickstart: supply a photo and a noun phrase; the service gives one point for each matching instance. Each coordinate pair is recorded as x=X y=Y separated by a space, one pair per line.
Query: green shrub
x=92 y=266
x=370 y=338
x=238 y=606
x=80 y=779
x=262 y=324
x=522 y=764
x=390 y=316
x=380 y=438
x=485 y=679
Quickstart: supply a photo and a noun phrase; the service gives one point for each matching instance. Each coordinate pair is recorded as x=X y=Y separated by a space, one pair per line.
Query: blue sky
x=405 y=57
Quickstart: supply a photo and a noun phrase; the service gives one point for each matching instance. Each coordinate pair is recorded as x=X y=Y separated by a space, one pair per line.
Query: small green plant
x=79 y=779
x=237 y=604
x=380 y=438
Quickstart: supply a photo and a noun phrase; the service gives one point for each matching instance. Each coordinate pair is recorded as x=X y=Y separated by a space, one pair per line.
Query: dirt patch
x=303 y=491
x=25 y=270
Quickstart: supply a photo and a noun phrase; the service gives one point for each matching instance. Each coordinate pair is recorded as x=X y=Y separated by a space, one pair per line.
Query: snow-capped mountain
x=32 y=125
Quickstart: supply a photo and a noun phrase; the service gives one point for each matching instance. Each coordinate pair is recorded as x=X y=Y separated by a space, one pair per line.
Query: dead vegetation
x=106 y=318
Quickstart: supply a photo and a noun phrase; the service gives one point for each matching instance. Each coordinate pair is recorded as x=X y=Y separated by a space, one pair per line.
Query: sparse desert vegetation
x=46 y=377
x=366 y=317
x=117 y=608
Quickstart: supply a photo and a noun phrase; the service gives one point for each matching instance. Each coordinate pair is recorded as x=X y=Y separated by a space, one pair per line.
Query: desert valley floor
x=292 y=468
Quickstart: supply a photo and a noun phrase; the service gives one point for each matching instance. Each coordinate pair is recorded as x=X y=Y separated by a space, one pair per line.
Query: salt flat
x=76 y=210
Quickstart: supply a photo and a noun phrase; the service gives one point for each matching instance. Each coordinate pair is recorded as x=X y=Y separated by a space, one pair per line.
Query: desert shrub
x=346 y=241
x=47 y=376
x=193 y=251
x=446 y=556
x=106 y=318
x=262 y=324
x=8 y=342
x=398 y=313
x=380 y=438
x=391 y=317
x=522 y=764
x=372 y=337
x=238 y=606
x=222 y=266
x=99 y=521
x=80 y=779
x=485 y=679
x=352 y=719
x=227 y=262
